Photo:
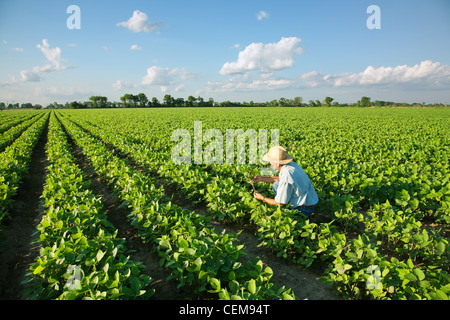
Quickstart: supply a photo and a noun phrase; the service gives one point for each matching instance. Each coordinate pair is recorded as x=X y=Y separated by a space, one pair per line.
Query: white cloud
x=265 y=57
x=244 y=83
x=135 y=47
x=30 y=76
x=138 y=23
x=426 y=73
x=18 y=49
x=119 y=85
x=165 y=76
x=262 y=15
x=53 y=55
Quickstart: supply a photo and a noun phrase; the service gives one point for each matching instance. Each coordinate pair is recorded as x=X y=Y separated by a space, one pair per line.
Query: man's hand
x=258 y=196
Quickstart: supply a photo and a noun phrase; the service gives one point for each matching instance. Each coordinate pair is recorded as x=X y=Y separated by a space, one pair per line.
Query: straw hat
x=278 y=154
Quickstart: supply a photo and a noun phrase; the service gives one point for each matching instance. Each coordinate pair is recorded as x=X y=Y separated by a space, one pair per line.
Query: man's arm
x=266 y=179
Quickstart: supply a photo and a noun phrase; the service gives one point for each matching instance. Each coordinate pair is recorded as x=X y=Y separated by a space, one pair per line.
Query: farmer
x=292 y=186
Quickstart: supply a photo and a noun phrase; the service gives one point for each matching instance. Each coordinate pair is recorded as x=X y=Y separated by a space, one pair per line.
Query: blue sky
x=237 y=50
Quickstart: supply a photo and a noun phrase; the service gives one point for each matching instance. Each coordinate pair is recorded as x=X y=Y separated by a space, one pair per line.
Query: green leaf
x=135 y=285
x=419 y=273
x=100 y=255
x=342 y=268
x=440 y=295
x=252 y=286
x=215 y=284
x=287 y=296
x=190 y=251
x=38 y=269
x=440 y=248
x=410 y=277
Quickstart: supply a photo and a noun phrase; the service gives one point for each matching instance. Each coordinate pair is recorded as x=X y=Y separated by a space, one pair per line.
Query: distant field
x=380 y=230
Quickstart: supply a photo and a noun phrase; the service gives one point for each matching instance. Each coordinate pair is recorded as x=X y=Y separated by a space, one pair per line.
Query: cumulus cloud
x=427 y=72
x=265 y=57
x=164 y=76
x=30 y=76
x=53 y=56
x=135 y=47
x=138 y=23
x=425 y=75
x=262 y=15
x=119 y=85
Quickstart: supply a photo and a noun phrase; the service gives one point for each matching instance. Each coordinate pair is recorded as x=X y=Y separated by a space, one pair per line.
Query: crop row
x=196 y=255
x=11 y=119
x=420 y=272
x=15 y=160
x=80 y=256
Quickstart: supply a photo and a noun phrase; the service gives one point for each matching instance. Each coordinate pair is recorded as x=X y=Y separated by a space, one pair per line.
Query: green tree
x=365 y=102
x=98 y=101
x=179 y=102
x=169 y=101
x=128 y=100
x=190 y=101
x=76 y=105
x=282 y=102
x=142 y=99
x=155 y=102
x=328 y=101
x=26 y=105
x=298 y=101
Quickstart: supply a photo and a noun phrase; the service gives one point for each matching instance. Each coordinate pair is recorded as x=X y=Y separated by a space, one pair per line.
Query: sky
x=228 y=50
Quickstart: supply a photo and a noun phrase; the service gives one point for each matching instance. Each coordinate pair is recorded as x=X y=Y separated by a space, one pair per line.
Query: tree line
x=142 y=101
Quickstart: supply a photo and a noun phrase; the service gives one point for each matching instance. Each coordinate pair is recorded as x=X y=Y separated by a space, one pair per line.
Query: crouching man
x=292 y=186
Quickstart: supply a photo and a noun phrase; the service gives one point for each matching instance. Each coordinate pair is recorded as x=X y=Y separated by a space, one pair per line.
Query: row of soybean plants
x=353 y=264
x=196 y=255
x=80 y=256
x=12 y=119
x=15 y=160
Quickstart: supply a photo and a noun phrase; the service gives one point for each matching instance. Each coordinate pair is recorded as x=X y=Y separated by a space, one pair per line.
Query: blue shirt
x=295 y=187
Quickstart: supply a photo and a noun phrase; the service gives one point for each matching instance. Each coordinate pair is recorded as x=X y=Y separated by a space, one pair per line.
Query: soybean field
x=157 y=203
